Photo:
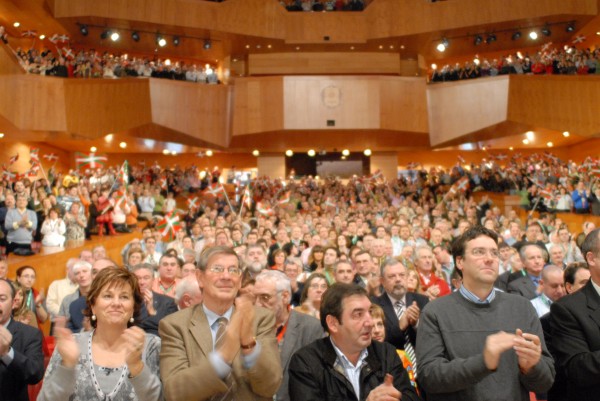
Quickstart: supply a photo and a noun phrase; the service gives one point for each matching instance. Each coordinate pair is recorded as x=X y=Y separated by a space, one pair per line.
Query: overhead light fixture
x=114 y=36
x=491 y=38
x=289 y=153
x=160 y=40
x=546 y=31
x=525 y=142
x=549 y=144
x=84 y=30
x=570 y=27
x=434 y=66
x=174 y=152
x=533 y=35
x=311 y=152
x=209 y=153
x=566 y=134
x=123 y=145
x=443 y=45
x=166 y=151
x=255 y=153
x=168 y=61
x=42 y=37
x=17 y=24
x=346 y=152
x=529 y=135
x=207 y=44
x=109 y=137
x=93 y=149
x=135 y=36
x=367 y=152
x=476 y=61
x=511 y=148
x=176 y=40
x=104 y=34
x=516 y=35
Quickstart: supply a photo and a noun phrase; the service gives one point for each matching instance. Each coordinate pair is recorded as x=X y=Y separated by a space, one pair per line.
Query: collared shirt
x=10 y=355
x=222 y=368
x=469 y=296
x=535 y=280
x=352 y=372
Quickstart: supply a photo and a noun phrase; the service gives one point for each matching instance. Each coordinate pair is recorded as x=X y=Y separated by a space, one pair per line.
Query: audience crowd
x=325 y=5
x=566 y=61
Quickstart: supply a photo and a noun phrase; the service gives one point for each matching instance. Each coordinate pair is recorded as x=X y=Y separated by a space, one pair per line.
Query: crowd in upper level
x=324 y=5
x=567 y=61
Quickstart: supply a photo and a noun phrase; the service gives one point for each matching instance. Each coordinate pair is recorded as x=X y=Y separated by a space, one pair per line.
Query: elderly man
x=256 y=260
x=479 y=343
x=21 y=357
x=82 y=273
x=155 y=306
x=294 y=329
x=432 y=285
x=576 y=329
x=59 y=289
x=188 y=292
x=553 y=289
x=224 y=347
x=527 y=284
x=347 y=365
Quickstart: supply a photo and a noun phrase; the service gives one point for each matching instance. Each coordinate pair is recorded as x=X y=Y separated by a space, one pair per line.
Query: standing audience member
x=527 y=285
x=21 y=357
x=59 y=289
x=553 y=289
x=20 y=224
x=479 y=343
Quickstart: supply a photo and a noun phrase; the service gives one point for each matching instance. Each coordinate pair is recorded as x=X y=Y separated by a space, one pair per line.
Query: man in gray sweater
x=477 y=343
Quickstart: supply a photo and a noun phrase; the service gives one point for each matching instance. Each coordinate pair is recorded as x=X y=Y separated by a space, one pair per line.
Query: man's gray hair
x=188 y=285
x=81 y=264
x=282 y=282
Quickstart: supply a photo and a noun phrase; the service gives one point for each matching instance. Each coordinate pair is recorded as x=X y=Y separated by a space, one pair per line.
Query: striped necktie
x=219 y=339
x=408 y=347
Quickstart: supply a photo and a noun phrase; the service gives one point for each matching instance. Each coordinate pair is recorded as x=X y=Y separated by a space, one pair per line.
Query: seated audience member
x=229 y=353
x=188 y=292
x=98 y=252
x=20 y=223
x=188 y=269
x=152 y=255
x=479 y=343
x=312 y=294
x=134 y=257
x=533 y=235
x=168 y=273
x=83 y=277
x=121 y=361
x=576 y=276
x=343 y=272
x=413 y=281
x=527 y=285
x=21 y=357
x=401 y=308
x=292 y=269
x=59 y=289
x=326 y=368
x=20 y=312
x=294 y=330
x=34 y=299
x=154 y=306
x=552 y=285
x=53 y=229
x=431 y=285
x=575 y=329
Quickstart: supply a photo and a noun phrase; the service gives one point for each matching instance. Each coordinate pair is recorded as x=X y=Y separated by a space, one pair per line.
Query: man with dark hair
x=479 y=343
x=577 y=275
x=347 y=365
x=533 y=232
x=21 y=357
x=211 y=351
x=575 y=325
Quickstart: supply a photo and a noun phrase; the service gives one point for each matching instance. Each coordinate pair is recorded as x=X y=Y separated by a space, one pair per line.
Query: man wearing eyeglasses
x=224 y=347
x=478 y=343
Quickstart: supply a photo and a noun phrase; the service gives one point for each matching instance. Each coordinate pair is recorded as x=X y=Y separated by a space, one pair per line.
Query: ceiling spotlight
x=104 y=34
x=109 y=138
x=209 y=153
x=289 y=153
x=166 y=151
x=162 y=42
x=207 y=44
x=1 y=135
x=311 y=153
x=176 y=40
x=546 y=31
x=434 y=66
x=174 y=152
x=549 y=144
x=367 y=152
x=511 y=148
x=525 y=141
x=255 y=153
x=135 y=36
x=491 y=38
x=123 y=145
x=529 y=135
x=17 y=24
x=346 y=152
x=93 y=149
x=533 y=35
x=84 y=30
x=566 y=134
x=570 y=27
x=516 y=35
x=42 y=37
x=114 y=36
x=477 y=41
x=441 y=47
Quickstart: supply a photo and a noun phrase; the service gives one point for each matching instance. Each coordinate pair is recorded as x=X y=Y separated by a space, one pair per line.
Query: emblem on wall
x=331 y=96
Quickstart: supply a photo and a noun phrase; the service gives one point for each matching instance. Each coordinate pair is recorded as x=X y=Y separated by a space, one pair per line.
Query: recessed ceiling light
x=441 y=47
x=511 y=148
x=533 y=35
x=166 y=151
x=269 y=46
x=297 y=47
x=402 y=47
x=351 y=47
x=114 y=36
x=123 y=145
x=434 y=66
x=42 y=37
x=247 y=46
x=311 y=153
x=209 y=153
x=109 y=137
x=549 y=144
x=345 y=152
x=391 y=46
x=256 y=153
x=566 y=134
x=289 y=153
x=525 y=141
x=367 y=152
x=530 y=135
x=381 y=46
x=17 y=24
x=93 y=149
x=1 y=135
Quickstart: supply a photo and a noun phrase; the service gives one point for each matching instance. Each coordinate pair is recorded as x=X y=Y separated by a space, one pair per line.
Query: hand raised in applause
x=385 y=391
x=528 y=349
x=66 y=344
x=134 y=340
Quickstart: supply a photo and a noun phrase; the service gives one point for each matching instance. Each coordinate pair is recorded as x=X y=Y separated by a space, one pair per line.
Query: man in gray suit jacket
x=532 y=256
x=294 y=329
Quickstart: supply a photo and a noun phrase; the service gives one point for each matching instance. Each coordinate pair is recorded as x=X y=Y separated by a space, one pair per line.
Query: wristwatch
x=251 y=345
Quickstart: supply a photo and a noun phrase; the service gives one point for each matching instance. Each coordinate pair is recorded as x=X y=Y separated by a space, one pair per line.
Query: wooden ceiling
x=37 y=15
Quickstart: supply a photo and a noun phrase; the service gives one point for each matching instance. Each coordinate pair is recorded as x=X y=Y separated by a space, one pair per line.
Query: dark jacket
x=314 y=378
x=27 y=366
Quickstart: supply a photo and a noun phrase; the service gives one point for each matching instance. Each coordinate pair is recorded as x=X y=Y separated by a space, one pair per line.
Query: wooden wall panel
x=387 y=163
x=98 y=107
x=8 y=62
x=403 y=104
x=313 y=27
x=323 y=63
x=458 y=108
x=563 y=103
x=271 y=166
x=358 y=102
x=257 y=105
x=200 y=111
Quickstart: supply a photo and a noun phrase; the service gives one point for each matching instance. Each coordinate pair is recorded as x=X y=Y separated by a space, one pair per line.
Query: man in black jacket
x=21 y=358
x=348 y=365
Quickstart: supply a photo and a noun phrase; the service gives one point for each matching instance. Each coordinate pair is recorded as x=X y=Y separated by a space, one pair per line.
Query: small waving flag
x=169 y=226
x=263 y=209
x=192 y=203
x=29 y=34
x=123 y=176
x=461 y=185
x=51 y=157
x=68 y=53
x=284 y=199
x=92 y=160
x=13 y=159
x=329 y=202
x=214 y=190
x=579 y=39
x=34 y=156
